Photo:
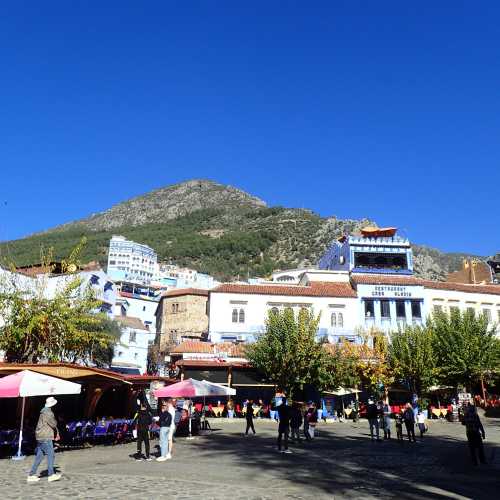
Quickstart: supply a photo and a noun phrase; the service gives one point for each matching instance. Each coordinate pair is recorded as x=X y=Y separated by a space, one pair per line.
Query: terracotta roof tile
x=197 y=347
x=315 y=289
x=380 y=279
x=375 y=279
x=211 y=363
x=443 y=285
x=131 y=322
x=193 y=346
x=177 y=292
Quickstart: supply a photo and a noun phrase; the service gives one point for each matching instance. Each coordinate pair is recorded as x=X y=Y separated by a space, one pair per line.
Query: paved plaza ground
x=341 y=463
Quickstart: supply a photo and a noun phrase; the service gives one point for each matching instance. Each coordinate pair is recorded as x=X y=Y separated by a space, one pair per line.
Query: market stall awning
x=66 y=371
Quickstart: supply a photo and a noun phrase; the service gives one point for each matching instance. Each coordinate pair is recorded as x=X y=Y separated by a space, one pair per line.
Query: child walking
x=399 y=427
x=422 y=427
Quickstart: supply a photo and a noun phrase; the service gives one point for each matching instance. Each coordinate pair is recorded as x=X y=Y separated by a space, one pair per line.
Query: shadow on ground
x=353 y=466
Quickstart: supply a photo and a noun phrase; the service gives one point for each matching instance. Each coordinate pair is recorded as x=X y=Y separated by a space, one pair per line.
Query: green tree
x=466 y=347
x=342 y=366
x=41 y=324
x=412 y=357
x=288 y=353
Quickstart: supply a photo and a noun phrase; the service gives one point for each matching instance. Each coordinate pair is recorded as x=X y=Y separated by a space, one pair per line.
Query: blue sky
x=387 y=110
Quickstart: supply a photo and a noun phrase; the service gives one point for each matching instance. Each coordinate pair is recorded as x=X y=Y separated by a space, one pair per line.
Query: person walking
x=399 y=427
x=46 y=432
x=422 y=427
x=475 y=434
x=372 y=416
x=355 y=411
x=386 y=410
x=176 y=418
x=283 y=426
x=307 y=434
x=165 y=423
x=409 y=420
x=313 y=420
x=144 y=420
x=249 y=418
x=295 y=423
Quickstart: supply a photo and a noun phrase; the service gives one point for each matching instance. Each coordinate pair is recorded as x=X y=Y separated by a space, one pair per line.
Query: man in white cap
x=46 y=432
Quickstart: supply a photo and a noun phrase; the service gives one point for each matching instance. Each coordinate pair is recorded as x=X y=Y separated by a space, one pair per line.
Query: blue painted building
x=374 y=251
x=380 y=264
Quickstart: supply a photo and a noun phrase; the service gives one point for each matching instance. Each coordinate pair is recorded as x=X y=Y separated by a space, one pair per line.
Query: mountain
x=214 y=228
x=167 y=203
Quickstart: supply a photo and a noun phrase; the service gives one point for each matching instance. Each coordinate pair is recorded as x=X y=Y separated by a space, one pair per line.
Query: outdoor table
x=440 y=412
x=217 y=410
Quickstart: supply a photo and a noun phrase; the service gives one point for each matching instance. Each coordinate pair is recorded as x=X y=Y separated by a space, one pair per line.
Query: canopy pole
x=189 y=417
x=19 y=455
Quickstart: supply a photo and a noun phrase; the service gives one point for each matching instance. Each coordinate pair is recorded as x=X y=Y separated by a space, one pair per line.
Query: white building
x=139 y=301
x=131 y=353
x=238 y=311
x=131 y=261
x=172 y=276
x=365 y=282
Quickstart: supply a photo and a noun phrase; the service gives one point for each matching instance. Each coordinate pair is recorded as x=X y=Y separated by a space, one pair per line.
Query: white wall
x=256 y=308
x=144 y=310
x=134 y=352
x=463 y=300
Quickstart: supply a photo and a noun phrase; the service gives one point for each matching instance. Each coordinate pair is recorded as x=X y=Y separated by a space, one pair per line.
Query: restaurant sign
x=392 y=291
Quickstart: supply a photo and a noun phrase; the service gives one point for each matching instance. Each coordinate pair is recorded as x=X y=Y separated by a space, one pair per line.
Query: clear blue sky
x=389 y=110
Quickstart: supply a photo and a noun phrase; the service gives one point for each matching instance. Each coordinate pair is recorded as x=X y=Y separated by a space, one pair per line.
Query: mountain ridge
x=214 y=228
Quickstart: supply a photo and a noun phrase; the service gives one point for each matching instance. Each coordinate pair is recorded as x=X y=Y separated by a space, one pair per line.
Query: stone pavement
x=341 y=463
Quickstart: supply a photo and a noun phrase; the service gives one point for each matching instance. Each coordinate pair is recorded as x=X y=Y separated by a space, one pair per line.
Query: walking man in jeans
x=144 y=420
x=372 y=416
x=283 y=426
x=249 y=417
x=409 y=420
x=165 y=423
x=475 y=434
x=46 y=429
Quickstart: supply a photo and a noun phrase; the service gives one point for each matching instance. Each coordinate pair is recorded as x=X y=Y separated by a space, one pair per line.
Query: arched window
x=242 y=316
x=235 y=316
x=340 y=321
x=334 y=320
x=275 y=310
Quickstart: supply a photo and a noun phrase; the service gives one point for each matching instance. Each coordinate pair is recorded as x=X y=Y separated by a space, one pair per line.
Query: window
x=400 y=309
x=132 y=336
x=143 y=308
x=135 y=355
x=334 y=320
x=341 y=320
x=438 y=308
x=275 y=310
x=242 y=316
x=487 y=314
x=385 y=310
x=235 y=316
x=369 y=308
x=175 y=308
x=471 y=310
x=416 y=309
x=454 y=309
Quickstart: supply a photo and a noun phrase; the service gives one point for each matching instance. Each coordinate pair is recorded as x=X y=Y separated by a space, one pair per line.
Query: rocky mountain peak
x=168 y=203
